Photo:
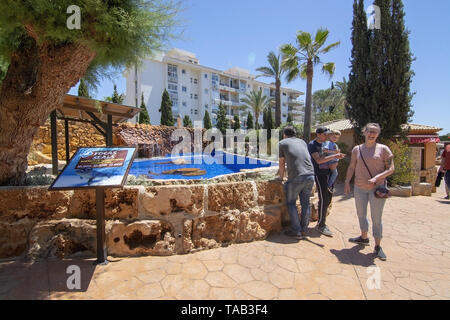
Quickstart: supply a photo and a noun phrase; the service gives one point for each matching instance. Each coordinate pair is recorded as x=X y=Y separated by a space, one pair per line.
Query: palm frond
x=266 y=72
x=331 y=46
x=304 y=40
x=321 y=37
x=328 y=68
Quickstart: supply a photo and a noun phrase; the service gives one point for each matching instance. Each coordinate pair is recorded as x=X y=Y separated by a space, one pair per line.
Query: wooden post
x=101 y=236
x=54 y=136
x=66 y=129
x=109 y=141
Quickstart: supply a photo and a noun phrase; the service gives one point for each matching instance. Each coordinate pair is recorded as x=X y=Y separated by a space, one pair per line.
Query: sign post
x=99 y=169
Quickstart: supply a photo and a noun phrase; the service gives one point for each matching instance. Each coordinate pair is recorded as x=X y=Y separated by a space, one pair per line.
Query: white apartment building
x=194 y=88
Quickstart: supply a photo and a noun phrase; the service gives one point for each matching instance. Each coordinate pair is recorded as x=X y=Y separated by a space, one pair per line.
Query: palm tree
x=300 y=61
x=256 y=102
x=276 y=71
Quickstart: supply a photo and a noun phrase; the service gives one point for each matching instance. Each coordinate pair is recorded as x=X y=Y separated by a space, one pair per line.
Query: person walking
x=371 y=163
x=445 y=167
x=322 y=176
x=293 y=152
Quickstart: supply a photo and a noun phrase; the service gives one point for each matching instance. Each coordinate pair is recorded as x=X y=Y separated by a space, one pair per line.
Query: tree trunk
x=308 y=108
x=35 y=84
x=277 y=103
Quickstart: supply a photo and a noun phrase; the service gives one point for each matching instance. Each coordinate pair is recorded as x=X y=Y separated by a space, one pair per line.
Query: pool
x=213 y=166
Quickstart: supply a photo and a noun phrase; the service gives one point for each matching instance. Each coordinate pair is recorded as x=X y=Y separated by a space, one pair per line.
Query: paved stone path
x=417 y=243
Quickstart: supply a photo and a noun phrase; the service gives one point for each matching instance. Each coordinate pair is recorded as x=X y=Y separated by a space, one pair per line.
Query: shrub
x=343 y=163
x=403 y=174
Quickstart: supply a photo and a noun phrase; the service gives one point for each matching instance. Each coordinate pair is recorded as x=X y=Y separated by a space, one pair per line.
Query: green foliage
x=445 y=137
x=83 y=90
x=142 y=180
x=403 y=174
x=236 y=122
x=268 y=121
x=380 y=77
x=275 y=70
x=289 y=118
x=300 y=60
x=298 y=129
x=143 y=115
x=255 y=101
x=166 y=110
x=116 y=97
x=187 y=122
x=121 y=33
x=343 y=163
x=222 y=122
x=329 y=104
x=250 y=121
x=207 y=121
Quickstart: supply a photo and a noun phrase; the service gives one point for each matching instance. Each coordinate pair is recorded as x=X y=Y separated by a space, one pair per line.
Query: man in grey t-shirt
x=294 y=152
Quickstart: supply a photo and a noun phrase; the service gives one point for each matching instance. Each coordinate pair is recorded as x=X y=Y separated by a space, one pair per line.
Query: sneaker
x=447 y=198
x=291 y=233
x=360 y=240
x=379 y=253
x=325 y=231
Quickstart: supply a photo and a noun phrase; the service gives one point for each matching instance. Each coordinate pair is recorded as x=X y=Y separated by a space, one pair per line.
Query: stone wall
x=80 y=134
x=150 y=140
x=157 y=220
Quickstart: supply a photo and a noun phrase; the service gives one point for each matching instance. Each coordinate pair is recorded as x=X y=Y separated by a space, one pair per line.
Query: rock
x=141 y=238
x=228 y=196
x=270 y=192
x=62 y=238
x=14 y=238
x=163 y=200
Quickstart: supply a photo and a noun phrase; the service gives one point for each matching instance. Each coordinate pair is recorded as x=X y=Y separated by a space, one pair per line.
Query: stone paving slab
x=416 y=241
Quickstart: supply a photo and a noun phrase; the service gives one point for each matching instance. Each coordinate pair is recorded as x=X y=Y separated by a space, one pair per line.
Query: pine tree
x=83 y=90
x=222 y=123
x=187 y=122
x=42 y=57
x=250 y=121
x=207 y=121
x=143 y=115
x=166 y=110
x=236 y=122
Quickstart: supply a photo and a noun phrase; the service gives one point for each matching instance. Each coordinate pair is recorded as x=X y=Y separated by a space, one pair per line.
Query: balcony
x=172 y=79
x=294 y=102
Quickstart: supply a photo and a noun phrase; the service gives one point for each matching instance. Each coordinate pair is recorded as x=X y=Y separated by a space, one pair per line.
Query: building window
x=195 y=97
x=172 y=87
x=192 y=111
x=184 y=89
x=191 y=95
x=206 y=76
x=183 y=71
x=172 y=73
x=191 y=80
x=195 y=81
x=184 y=104
x=195 y=111
x=284 y=93
x=215 y=78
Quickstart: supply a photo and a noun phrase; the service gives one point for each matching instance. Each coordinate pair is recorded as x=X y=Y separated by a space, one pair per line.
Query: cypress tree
x=166 y=110
x=236 y=122
x=187 y=122
x=358 y=93
x=289 y=118
x=207 y=121
x=379 y=84
x=268 y=122
x=222 y=123
x=250 y=121
x=83 y=90
x=143 y=115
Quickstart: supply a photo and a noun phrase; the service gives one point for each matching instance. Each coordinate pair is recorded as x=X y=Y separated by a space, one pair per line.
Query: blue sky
x=241 y=33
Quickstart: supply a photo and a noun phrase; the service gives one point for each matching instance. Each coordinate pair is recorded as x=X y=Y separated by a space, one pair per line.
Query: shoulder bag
x=381 y=192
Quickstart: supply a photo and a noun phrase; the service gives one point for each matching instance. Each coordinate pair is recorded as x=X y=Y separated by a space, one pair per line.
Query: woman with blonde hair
x=371 y=164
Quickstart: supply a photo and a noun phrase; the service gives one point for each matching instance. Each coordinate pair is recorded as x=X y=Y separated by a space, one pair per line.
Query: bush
x=403 y=174
x=343 y=163
x=298 y=129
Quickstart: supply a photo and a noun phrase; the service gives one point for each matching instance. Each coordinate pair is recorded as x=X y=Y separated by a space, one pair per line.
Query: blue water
x=221 y=163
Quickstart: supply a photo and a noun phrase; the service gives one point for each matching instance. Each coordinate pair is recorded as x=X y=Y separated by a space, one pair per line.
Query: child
x=330 y=147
